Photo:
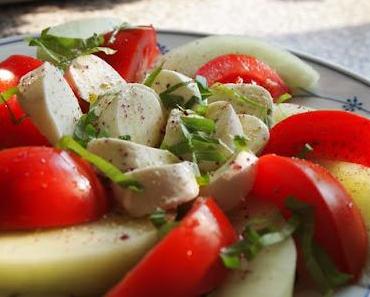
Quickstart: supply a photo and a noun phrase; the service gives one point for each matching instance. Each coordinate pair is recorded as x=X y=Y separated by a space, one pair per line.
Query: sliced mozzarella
x=226 y=120
x=128 y=156
x=282 y=111
x=256 y=132
x=261 y=98
x=47 y=98
x=81 y=261
x=231 y=183
x=173 y=134
x=165 y=186
x=188 y=58
x=135 y=111
x=168 y=78
x=91 y=77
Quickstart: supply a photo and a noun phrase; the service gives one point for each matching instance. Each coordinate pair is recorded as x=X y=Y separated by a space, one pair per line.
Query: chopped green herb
x=111 y=171
x=62 y=50
x=241 y=143
x=307 y=148
x=203 y=180
x=153 y=75
x=283 y=98
x=86 y=128
x=171 y=100
x=6 y=95
x=318 y=263
x=125 y=137
x=158 y=218
x=119 y=28
x=198 y=123
x=255 y=240
x=194 y=101
x=203 y=86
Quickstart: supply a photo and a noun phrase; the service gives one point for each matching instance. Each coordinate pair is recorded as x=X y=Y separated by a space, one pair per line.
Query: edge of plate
x=303 y=55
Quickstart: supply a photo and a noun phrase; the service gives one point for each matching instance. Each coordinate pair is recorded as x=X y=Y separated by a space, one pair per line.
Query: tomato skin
x=339 y=228
x=136 y=52
x=23 y=133
x=182 y=264
x=44 y=187
x=335 y=135
x=232 y=68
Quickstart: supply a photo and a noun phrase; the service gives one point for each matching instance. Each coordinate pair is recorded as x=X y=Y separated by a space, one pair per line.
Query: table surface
x=335 y=30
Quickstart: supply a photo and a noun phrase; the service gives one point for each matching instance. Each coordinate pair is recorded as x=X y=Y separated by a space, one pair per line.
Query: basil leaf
x=203 y=180
x=241 y=143
x=307 y=148
x=318 y=263
x=6 y=95
x=125 y=137
x=255 y=240
x=199 y=124
x=158 y=218
x=111 y=171
x=62 y=50
x=203 y=86
x=283 y=98
x=153 y=75
x=171 y=100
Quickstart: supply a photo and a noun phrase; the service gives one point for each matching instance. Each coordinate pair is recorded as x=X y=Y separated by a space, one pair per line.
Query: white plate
x=338 y=88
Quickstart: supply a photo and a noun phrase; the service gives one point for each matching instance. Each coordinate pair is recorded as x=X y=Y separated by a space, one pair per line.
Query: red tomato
x=45 y=187
x=136 y=52
x=339 y=228
x=23 y=133
x=335 y=135
x=186 y=262
x=233 y=68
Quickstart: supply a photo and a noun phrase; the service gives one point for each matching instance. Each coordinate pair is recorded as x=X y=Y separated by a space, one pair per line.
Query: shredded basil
x=318 y=263
x=241 y=143
x=153 y=75
x=86 y=128
x=203 y=180
x=198 y=123
x=307 y=148
x=203 y=86
x=125 y=137
x=160 y=221
x=4 y=97
x=283 y=98
x=254 y=241
x=111 y=171
x=62 y=50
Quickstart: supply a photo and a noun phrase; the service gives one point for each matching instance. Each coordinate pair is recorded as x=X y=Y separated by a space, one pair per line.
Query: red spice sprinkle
x=124 y=237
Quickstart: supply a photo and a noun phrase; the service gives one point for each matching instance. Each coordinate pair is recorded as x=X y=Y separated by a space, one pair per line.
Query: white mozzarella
x=231 y=183
x=282 y=111
x=256 y=132
x=168 y=78
x=173 y=134
x=226 y=121
x=91 y=77
x=128 y=156
x=84 y=260
x=261 y=98
x=135 y=111
x=165 y=186
x=47 y=98
x=188 y=58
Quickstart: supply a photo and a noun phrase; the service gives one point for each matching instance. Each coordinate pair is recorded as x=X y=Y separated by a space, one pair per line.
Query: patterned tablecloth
x=335 y=30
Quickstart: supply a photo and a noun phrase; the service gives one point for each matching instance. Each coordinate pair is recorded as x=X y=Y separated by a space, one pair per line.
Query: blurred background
x=335 y=30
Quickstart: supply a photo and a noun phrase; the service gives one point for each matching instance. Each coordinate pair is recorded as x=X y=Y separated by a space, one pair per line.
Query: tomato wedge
x=45 y=187
x=339 y=228
x=23 y=133
x=335 y=135
x=136 y=51
x=234 y=68
x=186 y=262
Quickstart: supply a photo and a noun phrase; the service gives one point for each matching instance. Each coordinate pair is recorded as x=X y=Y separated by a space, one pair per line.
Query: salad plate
x=338 y=88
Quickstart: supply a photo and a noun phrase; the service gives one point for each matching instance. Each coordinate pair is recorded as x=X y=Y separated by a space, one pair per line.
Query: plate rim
x=308 y=57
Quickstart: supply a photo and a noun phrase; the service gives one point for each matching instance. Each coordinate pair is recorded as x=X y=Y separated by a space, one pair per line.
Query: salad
x=127 y=173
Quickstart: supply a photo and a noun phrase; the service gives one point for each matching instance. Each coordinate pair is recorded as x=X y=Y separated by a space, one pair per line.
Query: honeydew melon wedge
x=188 y=58
x=84 y=260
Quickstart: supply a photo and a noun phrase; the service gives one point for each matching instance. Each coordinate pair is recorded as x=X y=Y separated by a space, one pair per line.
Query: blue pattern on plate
x=163 y=48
